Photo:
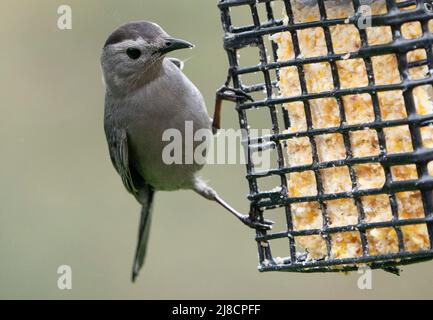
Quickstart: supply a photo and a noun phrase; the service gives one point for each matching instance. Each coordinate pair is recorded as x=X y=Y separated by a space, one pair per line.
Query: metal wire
x=238 y=38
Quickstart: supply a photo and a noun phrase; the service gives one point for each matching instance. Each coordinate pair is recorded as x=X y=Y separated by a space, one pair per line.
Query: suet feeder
x=348 y=89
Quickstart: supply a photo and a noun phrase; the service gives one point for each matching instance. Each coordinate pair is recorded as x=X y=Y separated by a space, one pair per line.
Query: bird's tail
x=143 y=231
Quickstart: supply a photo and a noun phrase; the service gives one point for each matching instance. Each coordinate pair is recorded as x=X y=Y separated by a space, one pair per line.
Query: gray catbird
x=147 y=94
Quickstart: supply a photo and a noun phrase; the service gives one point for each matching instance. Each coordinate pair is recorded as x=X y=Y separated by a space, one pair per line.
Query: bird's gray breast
x=164 y=108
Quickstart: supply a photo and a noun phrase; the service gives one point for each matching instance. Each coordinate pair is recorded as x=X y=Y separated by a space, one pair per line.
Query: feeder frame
x=237 y=38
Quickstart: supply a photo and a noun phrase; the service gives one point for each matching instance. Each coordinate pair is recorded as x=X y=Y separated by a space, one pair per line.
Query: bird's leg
x=229 y=94
x=245 y=219
x=204 y=190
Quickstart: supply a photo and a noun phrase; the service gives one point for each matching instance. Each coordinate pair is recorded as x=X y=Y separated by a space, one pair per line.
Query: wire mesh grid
x=265 y=23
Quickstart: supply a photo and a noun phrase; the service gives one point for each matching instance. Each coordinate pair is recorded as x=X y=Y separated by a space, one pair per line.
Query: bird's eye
x=133 y=53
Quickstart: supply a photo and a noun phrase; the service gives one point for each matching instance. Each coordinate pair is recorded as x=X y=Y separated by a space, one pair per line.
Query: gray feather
x=119 y=152
x=146 y=197
x=177 y=62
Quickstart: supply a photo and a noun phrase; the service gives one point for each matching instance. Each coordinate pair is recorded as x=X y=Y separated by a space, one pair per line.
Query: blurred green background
x=61 y=202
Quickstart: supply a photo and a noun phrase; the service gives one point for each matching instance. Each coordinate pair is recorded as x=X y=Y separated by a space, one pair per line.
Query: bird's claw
x=248 y=221
x=232 y=94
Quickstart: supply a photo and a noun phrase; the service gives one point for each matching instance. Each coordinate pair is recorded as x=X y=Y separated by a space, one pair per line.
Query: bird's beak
x=172 y=44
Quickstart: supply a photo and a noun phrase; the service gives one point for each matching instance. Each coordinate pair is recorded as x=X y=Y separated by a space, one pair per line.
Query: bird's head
x=133 y=54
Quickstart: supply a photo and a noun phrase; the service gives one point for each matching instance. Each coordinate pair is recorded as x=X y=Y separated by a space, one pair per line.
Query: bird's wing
x=119 y=154
x=135 y=184
x=178 y=63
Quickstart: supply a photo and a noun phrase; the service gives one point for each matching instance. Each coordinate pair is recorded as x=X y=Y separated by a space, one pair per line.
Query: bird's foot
x=232 y=94
x=248 y=221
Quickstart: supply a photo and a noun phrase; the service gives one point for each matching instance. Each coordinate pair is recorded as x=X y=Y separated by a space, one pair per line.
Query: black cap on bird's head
x=149 y=32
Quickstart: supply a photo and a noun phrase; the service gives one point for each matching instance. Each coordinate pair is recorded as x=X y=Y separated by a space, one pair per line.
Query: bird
x=147 y=93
